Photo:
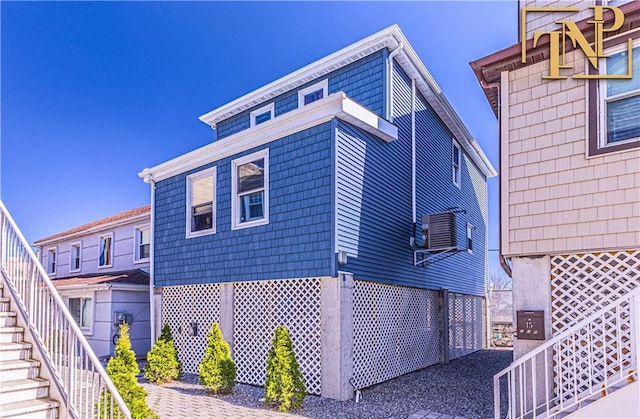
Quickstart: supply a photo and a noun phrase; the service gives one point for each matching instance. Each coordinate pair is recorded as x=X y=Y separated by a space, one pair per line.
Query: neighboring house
x=101 y=270
x=309 y=210
x=569 y=173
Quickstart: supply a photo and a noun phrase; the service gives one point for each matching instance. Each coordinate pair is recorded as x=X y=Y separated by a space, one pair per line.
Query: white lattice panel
x=261 y=306
x=465 y=324
x=183 y=305
x=581 y=285
x=396 y=331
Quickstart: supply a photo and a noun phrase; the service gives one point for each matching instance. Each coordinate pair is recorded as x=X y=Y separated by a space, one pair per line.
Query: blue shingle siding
x=374 y=200
x=362 y=80
x=296 y=242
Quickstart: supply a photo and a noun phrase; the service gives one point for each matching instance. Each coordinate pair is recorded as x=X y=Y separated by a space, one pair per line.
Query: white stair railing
x=81 y=378
x=583 y=363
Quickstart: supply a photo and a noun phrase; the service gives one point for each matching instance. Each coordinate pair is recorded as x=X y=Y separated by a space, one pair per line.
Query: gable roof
x=135 y=277
x=99 y=224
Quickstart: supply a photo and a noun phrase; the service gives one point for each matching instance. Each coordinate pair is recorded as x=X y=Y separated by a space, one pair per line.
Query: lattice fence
x=261 y=306
x=396 y=331
x=581 y=285
x=183 y=305
x=465 y=324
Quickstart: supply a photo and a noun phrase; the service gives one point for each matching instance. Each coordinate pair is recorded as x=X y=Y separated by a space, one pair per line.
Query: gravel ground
x=464 y=387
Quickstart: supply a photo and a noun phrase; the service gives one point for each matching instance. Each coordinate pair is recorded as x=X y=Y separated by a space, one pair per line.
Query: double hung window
x=250 y=190
x=75 y=261
x=201 y=203
x=106 y=251
x=456 y=159
x=142 y=243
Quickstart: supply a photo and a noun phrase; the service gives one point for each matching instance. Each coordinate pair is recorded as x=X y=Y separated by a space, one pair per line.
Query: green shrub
x=162 y=364
x=284 y=385
x=217 y=369
x=123 y=370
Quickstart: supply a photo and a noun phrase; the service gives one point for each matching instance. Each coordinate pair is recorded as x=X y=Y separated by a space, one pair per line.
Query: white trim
x=456 y=172
x=100 y=237
x=210 y=172
x=52 y=268
x=87 y=331
x=136 y=244
x=235 y=214
x=71 y=258
x=269 y=108
x=321 y=85
x=336 y=105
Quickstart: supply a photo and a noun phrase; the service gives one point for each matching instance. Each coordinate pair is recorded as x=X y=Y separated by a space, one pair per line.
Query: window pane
x=617 y=64
x=312 y=97
x=263 y=117
x=145 y=236
x=105 y=251
x=623 y=119
x=74 y=309
x=251 y=207
x=202 y=217
x=144 y=251
x=85 y=316
x=202 y=190
x=251 y=176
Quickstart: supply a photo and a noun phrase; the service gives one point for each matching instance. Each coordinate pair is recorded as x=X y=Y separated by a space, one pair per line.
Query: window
x=456 y=159
x=470 y=230
x=81 y=309
x=250 y=190
x=262 y=115
x=51 y=260
x=621 y=99
x=312 y=93
x=142 y=243
x=106 y=251
x=75 y=261
x=201 y=203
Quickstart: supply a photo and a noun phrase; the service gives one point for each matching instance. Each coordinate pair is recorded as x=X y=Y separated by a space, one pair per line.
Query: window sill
x=249 y=224
x=198 y=234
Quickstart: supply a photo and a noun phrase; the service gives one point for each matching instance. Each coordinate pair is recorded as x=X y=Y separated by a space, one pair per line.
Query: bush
x=123 y=370
x=217 y=369
x=284 y=384
x=162 y=364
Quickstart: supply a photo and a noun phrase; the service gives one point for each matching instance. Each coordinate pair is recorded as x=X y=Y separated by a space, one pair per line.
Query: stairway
x=23 y=394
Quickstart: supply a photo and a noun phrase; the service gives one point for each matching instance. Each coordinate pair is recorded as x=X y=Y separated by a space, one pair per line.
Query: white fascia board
x=103 y=287
x=337 y=105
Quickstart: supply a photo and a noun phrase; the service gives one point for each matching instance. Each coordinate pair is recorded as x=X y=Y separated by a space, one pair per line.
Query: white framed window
x=52 y=260
x=312 y=93
x=81 y=308
x=75 y=257
x=105 y=249
x=250 y=190
x=456 y=162
x=201 y=203
x=262 y=115
x=142 y=243
x=620 y=99
x=470 y=230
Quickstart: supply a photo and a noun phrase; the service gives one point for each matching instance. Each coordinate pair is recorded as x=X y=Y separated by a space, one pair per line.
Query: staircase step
x=7 y=318
x=22 y=390
x=5 y=304
x=11 y=334
x=38 y=408
x=14 y=351
x=19 y=369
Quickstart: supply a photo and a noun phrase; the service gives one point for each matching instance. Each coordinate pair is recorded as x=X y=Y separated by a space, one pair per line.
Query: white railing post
x=634 y=311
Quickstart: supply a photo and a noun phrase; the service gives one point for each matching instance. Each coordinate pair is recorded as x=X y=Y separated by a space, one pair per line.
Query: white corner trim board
x=337 y=105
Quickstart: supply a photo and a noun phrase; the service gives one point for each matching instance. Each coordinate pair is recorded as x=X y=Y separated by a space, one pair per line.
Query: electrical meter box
x=120 y=317
x=530 y=324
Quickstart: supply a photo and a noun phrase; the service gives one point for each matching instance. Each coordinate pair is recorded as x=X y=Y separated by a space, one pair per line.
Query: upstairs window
x=261 y=115
x=74 y=261
x=312 y=93
x=81 y=309
x=470 y=229
x=106 y=251
x=456 y=159
x=51 y=260
x=201 y=203
x=250 y=190
x=142 y=243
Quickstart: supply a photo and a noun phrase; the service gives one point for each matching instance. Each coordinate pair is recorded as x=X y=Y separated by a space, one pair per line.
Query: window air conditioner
x=439 y=231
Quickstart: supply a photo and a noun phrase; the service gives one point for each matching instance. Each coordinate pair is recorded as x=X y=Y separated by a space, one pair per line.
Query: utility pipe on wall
x=152 y=306
x=413 y=151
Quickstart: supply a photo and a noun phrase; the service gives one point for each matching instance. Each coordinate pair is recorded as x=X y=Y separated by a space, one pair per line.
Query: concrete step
x=7 y=318
x=14 y=351
x=32 y=409
x=19 y=369
x=23 y=390
x=11 y=334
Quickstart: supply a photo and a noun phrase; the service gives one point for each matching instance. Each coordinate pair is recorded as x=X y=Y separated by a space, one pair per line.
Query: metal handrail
x=84 y=383
x=529 y=380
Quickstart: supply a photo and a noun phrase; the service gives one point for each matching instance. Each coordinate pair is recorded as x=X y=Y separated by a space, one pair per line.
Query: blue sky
x=92 y=93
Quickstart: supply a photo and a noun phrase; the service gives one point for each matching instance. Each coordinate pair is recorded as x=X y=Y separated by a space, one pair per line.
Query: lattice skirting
x=465 y=324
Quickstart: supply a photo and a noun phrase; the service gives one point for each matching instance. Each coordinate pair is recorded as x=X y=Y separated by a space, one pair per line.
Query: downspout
x=413 y=154
x=390 y=72
x=152 y=306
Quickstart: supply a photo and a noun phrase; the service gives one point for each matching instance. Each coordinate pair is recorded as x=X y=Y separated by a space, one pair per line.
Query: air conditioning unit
x=439 y=231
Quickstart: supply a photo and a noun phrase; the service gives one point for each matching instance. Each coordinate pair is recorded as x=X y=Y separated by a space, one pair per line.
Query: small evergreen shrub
x=284 y=385
x=162 y=364
x=123 y=370
x=217 y=369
